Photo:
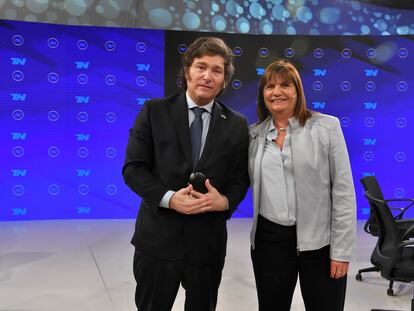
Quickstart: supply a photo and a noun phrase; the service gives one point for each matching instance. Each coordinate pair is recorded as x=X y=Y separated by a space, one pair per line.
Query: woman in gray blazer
x=303 y=196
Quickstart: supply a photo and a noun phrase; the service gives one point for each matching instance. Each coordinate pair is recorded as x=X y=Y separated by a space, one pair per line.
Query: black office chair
x=371 y=185
x=393 y=251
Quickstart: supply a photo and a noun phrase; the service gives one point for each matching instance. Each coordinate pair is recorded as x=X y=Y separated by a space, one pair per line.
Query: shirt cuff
x=227 y=203
x=165 y=201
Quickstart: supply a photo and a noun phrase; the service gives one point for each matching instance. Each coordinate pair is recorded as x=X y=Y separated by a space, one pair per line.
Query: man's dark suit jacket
x=158 y=159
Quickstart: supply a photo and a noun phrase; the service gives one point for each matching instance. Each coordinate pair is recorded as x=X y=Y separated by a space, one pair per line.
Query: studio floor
x=87 y=266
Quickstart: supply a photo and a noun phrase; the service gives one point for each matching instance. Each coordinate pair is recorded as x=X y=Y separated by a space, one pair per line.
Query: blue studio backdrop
x=69 y=95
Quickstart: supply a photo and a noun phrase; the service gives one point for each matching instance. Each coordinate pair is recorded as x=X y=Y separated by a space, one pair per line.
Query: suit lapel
x=217 y=122
x=179 y=114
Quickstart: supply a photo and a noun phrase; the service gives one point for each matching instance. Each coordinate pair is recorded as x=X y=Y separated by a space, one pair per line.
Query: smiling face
x=205 y=78
x=280 y=96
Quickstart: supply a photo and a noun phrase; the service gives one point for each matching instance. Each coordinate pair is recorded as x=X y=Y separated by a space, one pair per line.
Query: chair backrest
x=370 y=184
x=388 y=234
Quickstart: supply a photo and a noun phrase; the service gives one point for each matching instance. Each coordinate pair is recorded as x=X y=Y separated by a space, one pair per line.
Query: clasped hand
x=188 y=201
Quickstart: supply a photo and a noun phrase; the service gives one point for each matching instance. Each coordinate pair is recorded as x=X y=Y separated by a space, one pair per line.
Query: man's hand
x=339 y=269
x=217 y=201
x=183 y=202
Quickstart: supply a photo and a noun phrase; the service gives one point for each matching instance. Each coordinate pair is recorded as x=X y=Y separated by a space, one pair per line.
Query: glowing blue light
x=266 y=27
x=291 y=30
x=243 y=25
x=256 y=10
x=277 y=12
x=330 y=15
x=191 y=20
x=403 y=30
x=160 y=17
x=304 y=14
x=365 y=30
x=219 y=23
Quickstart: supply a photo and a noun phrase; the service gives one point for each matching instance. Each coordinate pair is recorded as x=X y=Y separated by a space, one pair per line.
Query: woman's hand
x=339 y=269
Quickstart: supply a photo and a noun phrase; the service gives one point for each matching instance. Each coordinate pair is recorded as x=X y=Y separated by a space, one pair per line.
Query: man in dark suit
x=180 y=235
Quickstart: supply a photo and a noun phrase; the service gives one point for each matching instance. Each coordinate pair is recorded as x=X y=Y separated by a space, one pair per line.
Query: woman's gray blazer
x=323 y=181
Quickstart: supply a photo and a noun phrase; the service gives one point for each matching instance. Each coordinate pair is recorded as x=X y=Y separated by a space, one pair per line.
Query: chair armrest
x=408 y=232
x=410 y=201
x=397 y=252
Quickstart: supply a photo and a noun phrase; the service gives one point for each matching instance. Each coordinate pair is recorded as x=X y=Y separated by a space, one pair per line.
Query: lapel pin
x=223 y=116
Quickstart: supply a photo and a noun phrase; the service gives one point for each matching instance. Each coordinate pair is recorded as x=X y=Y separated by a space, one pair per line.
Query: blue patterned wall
x=70 y=94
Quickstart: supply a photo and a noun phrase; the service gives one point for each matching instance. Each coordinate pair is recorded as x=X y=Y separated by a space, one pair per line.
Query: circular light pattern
x=18 y=190
x=365 y=30
x=53 y=151
x=83 y=152
x=401 y=122
x=402 y=53
x=141 y=47
x=18 y=151
x=110 y=117
x=330 y=15
x=53 y=115
x=53 y=77
x=111 y=189
x=82 y=78
x=236 y=84
x=399 y=192
x=179 y=82
x=256 y=10
x=304 y=14
x=402 y=86
x=110 y=79
x=160 y=17
x=369 y=122
x=266 y=27
x=371 y=53
x=141 y=81
x=82 y=44
x=317 y=86
x=18 y=114
x=368 y=156
x=219 y=23
x=318 y=53
x=182 y=48
x=345 y=86
x=191 y=21
x=111 y=152
x=17 y=40
x=263 y=52
x=285 y=17
x=233 y=8
x=83 y=116
x=83 y=189
x=110 y=46
x=400 y=156
x=243 y=25
x=237 y=51
x=17 y=75
x=53 y=189
x=346 y=53
x=370 y=86
x=53 y=43
x=38 y=6
x=51 y=16
x=345 y=121
x=289 y=52
x=278 y=12
x=75 y=8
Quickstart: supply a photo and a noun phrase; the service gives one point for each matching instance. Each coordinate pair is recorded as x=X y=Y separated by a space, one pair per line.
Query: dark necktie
x=196 y=130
